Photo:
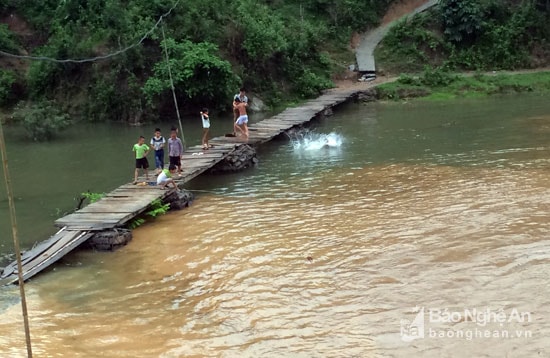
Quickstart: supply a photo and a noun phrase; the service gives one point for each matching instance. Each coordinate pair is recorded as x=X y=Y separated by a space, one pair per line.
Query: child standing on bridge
x=205 y=128
x=141 y=149
x=157 y=143
x=175 y=150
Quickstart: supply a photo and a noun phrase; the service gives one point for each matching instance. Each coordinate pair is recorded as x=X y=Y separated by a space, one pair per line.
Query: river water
x=422 y=231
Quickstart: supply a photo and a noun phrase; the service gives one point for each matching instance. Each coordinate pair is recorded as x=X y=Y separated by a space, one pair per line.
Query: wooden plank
x=304 y=116
x=203 y=156
x=206 y=160
x=224 y=147
x=115 y=200
x=101 y=218
x=98 y=216
x=122 y=200
x=282 y=126
x=198 y=166
x=258 y=137
x=236 y=141
x=291 y=120
x=40 y=254
x=111 y=203
x=46 y=254
x=113 y=208
x=266 y=125
x=65 y=247
x=29 y=254
x=201 y=160
x=208 y=153
x=264 y=131
x=92 y=221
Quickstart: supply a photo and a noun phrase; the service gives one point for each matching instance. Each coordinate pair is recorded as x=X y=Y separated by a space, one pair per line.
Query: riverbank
x=441 y=85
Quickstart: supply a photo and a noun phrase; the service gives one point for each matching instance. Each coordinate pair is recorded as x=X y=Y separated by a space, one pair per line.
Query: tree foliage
x=276 y=48
x=42 y=120
x=273 y=47
x=7 y=40
x=462 y=20
x=7 y=78
x=197 y=71
x=474 y=35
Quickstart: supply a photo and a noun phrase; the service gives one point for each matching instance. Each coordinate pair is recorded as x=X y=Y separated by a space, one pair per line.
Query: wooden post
x=15 y=241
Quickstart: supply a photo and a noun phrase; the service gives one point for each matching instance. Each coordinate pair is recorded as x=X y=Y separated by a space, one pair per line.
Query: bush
x=7 y=41
x=42 y=120
x=310 y=84
x=437 y=77
x=409 y=80
x=7 y=79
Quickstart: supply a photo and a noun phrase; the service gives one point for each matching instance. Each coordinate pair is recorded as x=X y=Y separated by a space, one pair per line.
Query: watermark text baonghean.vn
x=468 y=323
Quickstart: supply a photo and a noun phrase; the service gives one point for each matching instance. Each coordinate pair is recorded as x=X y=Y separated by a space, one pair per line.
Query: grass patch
x=440 y=96
x=432 y=85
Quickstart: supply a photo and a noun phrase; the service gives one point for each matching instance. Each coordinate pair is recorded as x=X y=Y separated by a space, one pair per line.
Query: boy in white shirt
x=164 y=179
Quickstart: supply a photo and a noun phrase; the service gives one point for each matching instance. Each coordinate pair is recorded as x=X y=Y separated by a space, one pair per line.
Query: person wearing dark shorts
x=141 y=149
x=175 y=150
x=142 y=163
x=176 y=161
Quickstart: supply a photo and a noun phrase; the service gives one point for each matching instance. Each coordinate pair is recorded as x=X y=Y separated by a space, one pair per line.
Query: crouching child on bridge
x=164 y=180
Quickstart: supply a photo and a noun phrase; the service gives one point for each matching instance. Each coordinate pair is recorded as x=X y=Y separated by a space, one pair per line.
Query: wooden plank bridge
x=124 y=203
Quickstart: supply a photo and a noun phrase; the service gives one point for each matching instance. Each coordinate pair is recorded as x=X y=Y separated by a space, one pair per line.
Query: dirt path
x=401 y=8
x=365 y=51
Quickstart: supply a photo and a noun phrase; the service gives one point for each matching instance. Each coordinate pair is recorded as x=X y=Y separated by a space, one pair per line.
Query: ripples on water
x=313 y=254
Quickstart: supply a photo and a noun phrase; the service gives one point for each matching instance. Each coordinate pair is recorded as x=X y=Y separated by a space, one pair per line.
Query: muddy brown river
x=422 y=230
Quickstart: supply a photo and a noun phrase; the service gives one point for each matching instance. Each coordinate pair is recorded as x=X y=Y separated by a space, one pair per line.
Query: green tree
x=42 y=120
x=262 y=31
x=197 y=71
x=462 y=20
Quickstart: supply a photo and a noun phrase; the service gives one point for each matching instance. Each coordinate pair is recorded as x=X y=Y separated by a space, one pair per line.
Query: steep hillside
x=279 y=49
x=470 y=35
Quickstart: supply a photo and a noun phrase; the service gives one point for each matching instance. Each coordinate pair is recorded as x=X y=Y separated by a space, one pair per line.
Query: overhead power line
x=97 y=58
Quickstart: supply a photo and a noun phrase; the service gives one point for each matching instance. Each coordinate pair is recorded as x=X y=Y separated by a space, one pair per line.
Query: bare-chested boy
x=241 y=122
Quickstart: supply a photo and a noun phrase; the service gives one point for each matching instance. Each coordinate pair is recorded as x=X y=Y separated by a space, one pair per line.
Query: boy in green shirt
x=164 y=180
x=141 y=150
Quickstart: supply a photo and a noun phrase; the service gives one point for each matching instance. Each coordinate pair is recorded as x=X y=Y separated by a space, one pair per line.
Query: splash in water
x=308 y=140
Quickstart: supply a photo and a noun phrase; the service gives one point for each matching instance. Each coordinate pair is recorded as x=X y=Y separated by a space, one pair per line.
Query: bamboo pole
x=172 y=84
x=15 y=241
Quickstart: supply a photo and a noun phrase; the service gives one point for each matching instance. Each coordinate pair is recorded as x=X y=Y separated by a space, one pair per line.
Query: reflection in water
x=313 y=256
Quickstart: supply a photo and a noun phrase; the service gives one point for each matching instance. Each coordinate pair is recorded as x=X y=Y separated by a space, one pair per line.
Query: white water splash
x=316 y=141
